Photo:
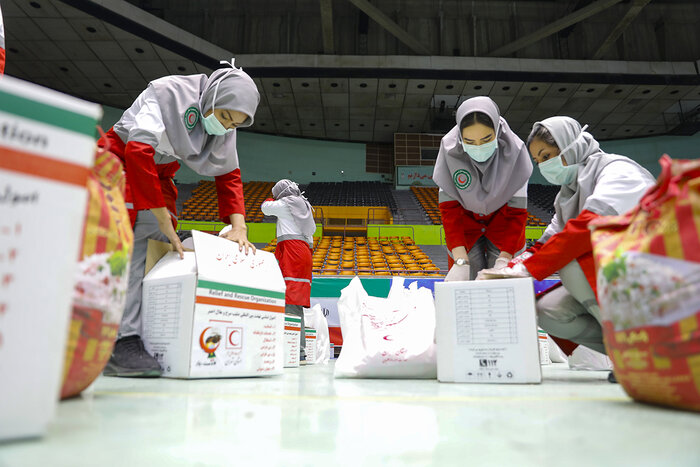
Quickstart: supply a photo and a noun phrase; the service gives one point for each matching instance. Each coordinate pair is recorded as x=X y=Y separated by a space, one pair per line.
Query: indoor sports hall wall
x=270 y=158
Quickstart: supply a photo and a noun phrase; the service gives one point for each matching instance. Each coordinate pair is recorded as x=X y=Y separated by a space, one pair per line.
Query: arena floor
x=305 y=417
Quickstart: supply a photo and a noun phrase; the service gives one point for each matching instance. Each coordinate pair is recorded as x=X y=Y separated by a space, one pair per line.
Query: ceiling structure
x=356 y=70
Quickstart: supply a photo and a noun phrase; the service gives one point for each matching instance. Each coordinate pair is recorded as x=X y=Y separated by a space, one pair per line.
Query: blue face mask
x=480 y=153
x=554 y=170
x=212 y=125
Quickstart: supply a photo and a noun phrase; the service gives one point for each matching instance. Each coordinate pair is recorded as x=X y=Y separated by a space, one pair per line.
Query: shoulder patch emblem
x=191 y=117
x=462 y=179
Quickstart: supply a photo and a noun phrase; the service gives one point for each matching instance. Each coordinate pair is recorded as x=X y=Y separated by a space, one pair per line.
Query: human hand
x=166 y=226
x=240 y=236
x=520 y=258
x=517 y=271
x=458 y=273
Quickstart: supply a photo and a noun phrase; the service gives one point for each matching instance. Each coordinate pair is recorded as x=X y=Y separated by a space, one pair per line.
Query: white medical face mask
x=481 y=153
x=212 y=125
x=554 y=170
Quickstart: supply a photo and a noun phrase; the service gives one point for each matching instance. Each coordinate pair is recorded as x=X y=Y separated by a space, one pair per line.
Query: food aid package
x=313 y=317
x=217 y=313
x=487 y=332
x=101 y=279
x=543 y=339
x=292 y=336
x=648 y=277
x=310 y=346
x=391 y=337
x=47 y=148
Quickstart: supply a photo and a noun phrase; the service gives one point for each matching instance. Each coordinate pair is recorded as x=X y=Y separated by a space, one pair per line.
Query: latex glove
x=516 y=271
x=520 y=258
x=458 y=273
x=501 y=262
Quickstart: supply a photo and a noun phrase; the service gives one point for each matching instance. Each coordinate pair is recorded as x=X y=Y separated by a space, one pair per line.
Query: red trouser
x=294 y=257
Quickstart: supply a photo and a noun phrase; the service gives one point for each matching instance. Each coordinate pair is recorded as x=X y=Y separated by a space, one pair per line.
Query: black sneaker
x=129 y=358
x=611 y=378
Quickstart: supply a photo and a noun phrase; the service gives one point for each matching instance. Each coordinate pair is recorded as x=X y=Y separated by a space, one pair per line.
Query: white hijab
x=490 y=183
x=180 y=96
x=288 y=192
x=585 y=151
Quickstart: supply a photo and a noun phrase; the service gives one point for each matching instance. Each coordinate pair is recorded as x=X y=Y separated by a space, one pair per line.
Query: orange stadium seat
x=383 y=256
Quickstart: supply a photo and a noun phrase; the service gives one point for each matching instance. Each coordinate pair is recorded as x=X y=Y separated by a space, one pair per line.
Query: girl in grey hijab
x=593 y=183
x=295 y=231
x=176 y=119
x=482 y=170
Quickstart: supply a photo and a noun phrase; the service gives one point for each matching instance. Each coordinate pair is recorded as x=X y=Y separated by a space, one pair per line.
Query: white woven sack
x=391 y=337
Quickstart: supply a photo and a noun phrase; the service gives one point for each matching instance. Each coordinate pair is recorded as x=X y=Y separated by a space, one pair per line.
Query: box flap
x=218 y=260
x=170 y=265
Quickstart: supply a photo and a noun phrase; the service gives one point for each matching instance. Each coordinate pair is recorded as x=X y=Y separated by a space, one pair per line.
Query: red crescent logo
x=230 y=338
x=388 y=338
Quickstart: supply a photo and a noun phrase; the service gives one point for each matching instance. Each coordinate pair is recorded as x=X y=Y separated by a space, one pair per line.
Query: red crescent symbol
x=230 y=337
x=201 y=339
x=388 y=338
x=462 y=179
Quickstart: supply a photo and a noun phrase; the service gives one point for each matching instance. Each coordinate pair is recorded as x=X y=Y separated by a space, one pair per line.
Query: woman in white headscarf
x=295 y=237
x=593 y=183
x=177 y=119
x=482 y=170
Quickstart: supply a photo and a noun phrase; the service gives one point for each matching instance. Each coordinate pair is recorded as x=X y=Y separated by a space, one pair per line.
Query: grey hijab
x=190 y=97
x=584 y=151
x=489 y=184
x=288 y=192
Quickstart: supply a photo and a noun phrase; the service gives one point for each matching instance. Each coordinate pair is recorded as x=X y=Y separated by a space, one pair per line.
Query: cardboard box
x=310 y=346
x=487 y=332
x=215 y=314
x=47 y=148
x=542 y=338
x=292 y=333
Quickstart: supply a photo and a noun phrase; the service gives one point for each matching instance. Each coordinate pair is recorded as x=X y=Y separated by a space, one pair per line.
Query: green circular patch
x=462 y=179
x=191 y=117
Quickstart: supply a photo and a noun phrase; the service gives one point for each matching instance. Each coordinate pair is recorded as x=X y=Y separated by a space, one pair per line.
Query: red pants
x=294 y=257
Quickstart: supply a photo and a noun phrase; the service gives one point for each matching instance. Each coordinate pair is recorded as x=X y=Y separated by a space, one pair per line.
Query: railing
x=402 y=213
x=382 y=210
x=316 y=216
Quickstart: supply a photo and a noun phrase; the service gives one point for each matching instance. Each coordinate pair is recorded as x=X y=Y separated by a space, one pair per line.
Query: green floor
x=305 y=417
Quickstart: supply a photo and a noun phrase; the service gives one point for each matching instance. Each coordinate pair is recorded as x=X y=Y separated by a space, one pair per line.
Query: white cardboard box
x=487 y=332
x=47 y=148
x=310 y=346
x=292 y=331
x=218 y=313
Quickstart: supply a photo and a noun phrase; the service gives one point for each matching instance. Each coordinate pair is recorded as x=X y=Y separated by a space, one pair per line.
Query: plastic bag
x=99 y=294
x=391 y=337
x=313 y=318
x=648 y=274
